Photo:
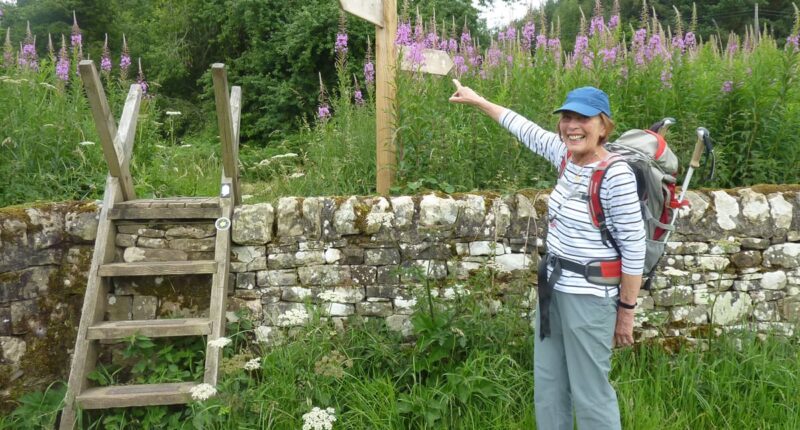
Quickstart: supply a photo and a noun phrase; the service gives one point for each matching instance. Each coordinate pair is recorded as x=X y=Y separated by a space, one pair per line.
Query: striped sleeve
x=543 y=142
x=624 y=216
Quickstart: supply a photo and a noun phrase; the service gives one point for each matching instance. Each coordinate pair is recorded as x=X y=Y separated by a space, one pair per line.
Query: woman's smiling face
x=582 y=134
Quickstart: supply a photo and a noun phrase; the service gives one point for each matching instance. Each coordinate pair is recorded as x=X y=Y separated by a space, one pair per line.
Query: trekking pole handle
x=699 y=146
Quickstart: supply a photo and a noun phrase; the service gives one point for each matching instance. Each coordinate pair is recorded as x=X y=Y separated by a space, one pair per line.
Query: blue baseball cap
x=587 y=101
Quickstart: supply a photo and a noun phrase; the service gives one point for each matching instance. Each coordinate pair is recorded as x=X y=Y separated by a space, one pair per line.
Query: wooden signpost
x=383 y=13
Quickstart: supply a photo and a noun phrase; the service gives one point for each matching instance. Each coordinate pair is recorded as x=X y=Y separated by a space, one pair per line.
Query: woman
x=579 y=320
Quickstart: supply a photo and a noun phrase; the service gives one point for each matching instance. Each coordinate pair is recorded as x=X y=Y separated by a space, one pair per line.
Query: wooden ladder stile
x=120 y=205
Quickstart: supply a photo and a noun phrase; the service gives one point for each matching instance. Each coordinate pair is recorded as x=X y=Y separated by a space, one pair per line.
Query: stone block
x=774 y=280
x=512 y=262
x=352 y=255
x=730 y=307
x=419 y=270
x=119 y=308
x=309 y=258
x=374 y=309
x=363 y=275
x=342 y=295
x=332 y=256
x=137 y=254
x=381 y=256
x=766 y=311
x=337 y=309
x=485 y=247
x=252 y=224
x=756 y=243
x=297 y=294
x=5 y=320
x=388 y=275
x=746 y=259
x=678 y=295
x=435 y=211
x=152 y=242
x=285 y=314
x=23 y=316
x=401 y=324
x=12 y=350
x=144 y=307
x=206 y=244
x=81 y=226
x=786 y=255
x=276 y=278
x=289 y=217
x=695 y=315
x=192 y=231
x=382 y=291
x=126 y=240
x=281 y=261
x=270 y=294
x=28 y=283
x=462 y=269
x=270 y=336
x=245 y=281
x=325 y=275
x=790 y=311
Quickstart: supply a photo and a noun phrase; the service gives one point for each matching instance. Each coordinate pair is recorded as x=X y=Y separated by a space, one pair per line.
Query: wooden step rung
x=124 y=396
x=168 y=212
x=150 y=328
x=156 y=268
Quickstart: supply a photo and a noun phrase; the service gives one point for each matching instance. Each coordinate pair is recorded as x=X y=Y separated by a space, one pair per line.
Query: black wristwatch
x=624 y=305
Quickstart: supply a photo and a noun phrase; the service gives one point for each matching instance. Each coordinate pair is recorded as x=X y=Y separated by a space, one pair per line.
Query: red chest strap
x=595 y=181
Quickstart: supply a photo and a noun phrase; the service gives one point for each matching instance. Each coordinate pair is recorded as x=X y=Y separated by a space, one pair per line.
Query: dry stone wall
x=735 y=265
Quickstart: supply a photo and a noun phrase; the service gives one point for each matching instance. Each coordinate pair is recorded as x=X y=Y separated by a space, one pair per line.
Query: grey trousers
x=571 y=365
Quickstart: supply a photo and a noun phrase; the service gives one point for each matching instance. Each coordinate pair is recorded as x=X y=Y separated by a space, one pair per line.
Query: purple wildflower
x=581 y=44
x=597 y=25
x=493 y=56
x=466 y=39
x=689 y=40
x=105 y=57
x=793 y=41
x=62 y=67
x=501 y=36
x=125 y=60
x=76 y=38
x=733 y=46
x=459 y=65
x=323 y=112
x=431 y=40
x=727 y=86
x=679 y=43
x=609 y=55
x=414 y=55
x=528 y=32
x=369 y=72
x=403 y=37
x=541 y=42
x=554 y=44
x=358 y=97
x=341 y=43
x=613 y=22
x=511 y=33
x=140 y=79
x=452 y=45
x=654 y=47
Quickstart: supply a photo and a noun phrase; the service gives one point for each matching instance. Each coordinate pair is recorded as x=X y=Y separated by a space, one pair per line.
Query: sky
x=500 y=13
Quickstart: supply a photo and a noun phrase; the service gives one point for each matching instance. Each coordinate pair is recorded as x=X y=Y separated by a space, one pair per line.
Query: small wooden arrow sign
x=435 y=62
x=370 y=10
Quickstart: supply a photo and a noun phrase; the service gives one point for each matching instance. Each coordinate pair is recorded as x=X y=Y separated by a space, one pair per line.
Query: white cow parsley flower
x=319 y=419
x=203 y=392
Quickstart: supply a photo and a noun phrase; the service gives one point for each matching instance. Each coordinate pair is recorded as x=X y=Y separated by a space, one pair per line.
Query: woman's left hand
x=623 y=332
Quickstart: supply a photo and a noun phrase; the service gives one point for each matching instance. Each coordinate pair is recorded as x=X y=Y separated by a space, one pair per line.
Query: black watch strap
x=624 y=305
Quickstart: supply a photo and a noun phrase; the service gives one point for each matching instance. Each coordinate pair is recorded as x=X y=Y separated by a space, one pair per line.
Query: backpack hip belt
x=599 y=272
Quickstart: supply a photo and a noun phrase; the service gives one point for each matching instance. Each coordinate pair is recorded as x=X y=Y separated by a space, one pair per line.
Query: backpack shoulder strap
x=595 y=205
x=564 y=159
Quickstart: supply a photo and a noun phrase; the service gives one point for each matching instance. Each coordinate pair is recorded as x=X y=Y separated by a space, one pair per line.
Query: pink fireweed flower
x=431 y=40
x=459 y=65
x=689 y=40
x=541 y=42
x=403 y=37
x=733 y=46
x=613 y=23
x=654 y=48
x=369 y=72
x=727 y=87
x=76 y=37
x=124 y=60
x=323 y=112
x=510 y=59
x=414 y=55
x=419 y=30
x=528 y=33
x=554 y=44
x=452 y=45
x=341 y=43
x=793 y=42
x=493 y=56
x=359 y=98
x=597 y=25
x=501 y=36
x=62 y=67
x=466 y=39
x=609 y=55
x=679 y=43
x=105 y=57
x=511 y=33
x=140 y=79
x=581 y=44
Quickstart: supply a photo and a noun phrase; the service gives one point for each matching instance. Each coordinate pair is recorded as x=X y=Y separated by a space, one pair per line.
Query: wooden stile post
x=385 y=90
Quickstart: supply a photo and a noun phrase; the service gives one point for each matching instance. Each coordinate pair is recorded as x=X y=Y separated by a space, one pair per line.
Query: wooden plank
x=165 y=213
x=85 y=353
x=106 y=126
x=219 y=289
x=385 y=89
x=125 y=136
x=124 y=396
x=370 y=10
x=236 y=113
x=224 y=120
x=155 y=268
x=150 y=328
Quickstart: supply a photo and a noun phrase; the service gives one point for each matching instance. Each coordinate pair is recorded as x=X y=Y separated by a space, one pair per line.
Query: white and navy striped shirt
x=571 y=234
